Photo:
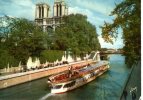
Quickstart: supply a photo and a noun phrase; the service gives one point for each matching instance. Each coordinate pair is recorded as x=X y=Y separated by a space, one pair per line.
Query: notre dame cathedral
x=42 y=11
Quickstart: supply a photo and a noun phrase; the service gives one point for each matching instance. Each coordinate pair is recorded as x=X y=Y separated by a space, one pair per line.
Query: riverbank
x=133 y=84
x=106 y=87
x=18 y=78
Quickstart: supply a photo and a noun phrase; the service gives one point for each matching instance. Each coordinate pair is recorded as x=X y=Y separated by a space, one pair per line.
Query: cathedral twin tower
x=60 y=9
x=42 y=18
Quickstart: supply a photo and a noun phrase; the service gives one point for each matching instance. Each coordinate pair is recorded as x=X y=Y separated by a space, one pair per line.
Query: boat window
x=69 y=84
x=57 y=86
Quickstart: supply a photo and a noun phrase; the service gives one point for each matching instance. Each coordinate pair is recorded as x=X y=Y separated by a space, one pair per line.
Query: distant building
x=42 y=11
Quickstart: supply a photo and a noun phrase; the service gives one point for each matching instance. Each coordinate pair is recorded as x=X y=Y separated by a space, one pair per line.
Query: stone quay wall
x=15 y=79
x=10 y=70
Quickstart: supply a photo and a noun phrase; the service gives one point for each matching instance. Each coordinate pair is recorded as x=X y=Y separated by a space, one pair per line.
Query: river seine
x=109 y=86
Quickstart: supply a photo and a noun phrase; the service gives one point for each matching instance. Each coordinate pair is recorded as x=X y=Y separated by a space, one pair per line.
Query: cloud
x=95 y=6
x=97 y=11
x=83 y=11
x=94 y=18
x=18 y=8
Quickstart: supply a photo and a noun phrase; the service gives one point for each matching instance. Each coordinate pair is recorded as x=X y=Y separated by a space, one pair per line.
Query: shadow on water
x=106 y=87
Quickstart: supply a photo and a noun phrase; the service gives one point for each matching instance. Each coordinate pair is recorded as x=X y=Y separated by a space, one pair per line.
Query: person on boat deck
x=70 y=71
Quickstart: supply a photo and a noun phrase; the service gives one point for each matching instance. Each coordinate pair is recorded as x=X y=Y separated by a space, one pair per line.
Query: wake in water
x=46 y=96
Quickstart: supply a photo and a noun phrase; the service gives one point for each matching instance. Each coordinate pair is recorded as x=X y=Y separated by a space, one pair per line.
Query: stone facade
x=42 y=18
x=60 y=8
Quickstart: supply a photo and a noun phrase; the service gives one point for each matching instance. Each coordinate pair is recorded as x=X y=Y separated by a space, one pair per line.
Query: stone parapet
x=18 y=78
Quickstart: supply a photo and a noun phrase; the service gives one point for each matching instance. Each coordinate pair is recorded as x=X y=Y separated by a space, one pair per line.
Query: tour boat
x=74 y=78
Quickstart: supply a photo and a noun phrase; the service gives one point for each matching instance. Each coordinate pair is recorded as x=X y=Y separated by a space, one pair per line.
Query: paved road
x=132 y=88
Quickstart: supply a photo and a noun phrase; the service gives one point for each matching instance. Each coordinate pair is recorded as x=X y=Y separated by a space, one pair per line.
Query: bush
x=6 y=58
x=51 y=55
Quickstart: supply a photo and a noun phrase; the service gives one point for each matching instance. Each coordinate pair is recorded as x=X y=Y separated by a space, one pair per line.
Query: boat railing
x=66 y=77
x=75 y=73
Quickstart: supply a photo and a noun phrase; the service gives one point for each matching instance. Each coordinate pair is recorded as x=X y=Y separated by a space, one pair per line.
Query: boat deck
x=68 y=76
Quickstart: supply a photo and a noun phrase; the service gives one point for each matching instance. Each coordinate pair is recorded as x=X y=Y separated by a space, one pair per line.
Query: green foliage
x=21 y=38
x=51 y=55
x=6 y=58
x=77 y=34
x=25 y=39
x=128 y=18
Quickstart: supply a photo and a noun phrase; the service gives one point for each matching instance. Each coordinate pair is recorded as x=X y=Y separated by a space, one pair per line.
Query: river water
x=106 y=87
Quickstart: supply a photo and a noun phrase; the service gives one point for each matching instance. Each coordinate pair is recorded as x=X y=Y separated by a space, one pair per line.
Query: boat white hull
x=79 y=82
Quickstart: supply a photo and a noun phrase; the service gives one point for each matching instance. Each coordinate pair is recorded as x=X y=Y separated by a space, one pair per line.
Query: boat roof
x=96 y=65
x=80 y=71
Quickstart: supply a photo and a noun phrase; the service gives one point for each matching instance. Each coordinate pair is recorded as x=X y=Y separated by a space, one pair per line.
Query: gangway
x=94 y=55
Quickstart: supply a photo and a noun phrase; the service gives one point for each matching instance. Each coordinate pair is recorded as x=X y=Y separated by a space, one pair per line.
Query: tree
x=51 y=55
x=25 y=39
x=6 y=58
x=77 y=34
x=22 y=38
x=128 y=18
x=5 y=23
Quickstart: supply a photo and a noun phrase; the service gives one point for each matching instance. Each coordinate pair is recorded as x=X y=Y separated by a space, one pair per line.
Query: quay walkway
x=132 y=89
x=18 y=78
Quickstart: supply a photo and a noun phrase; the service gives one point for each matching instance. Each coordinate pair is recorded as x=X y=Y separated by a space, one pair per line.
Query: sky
x=97 y=11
